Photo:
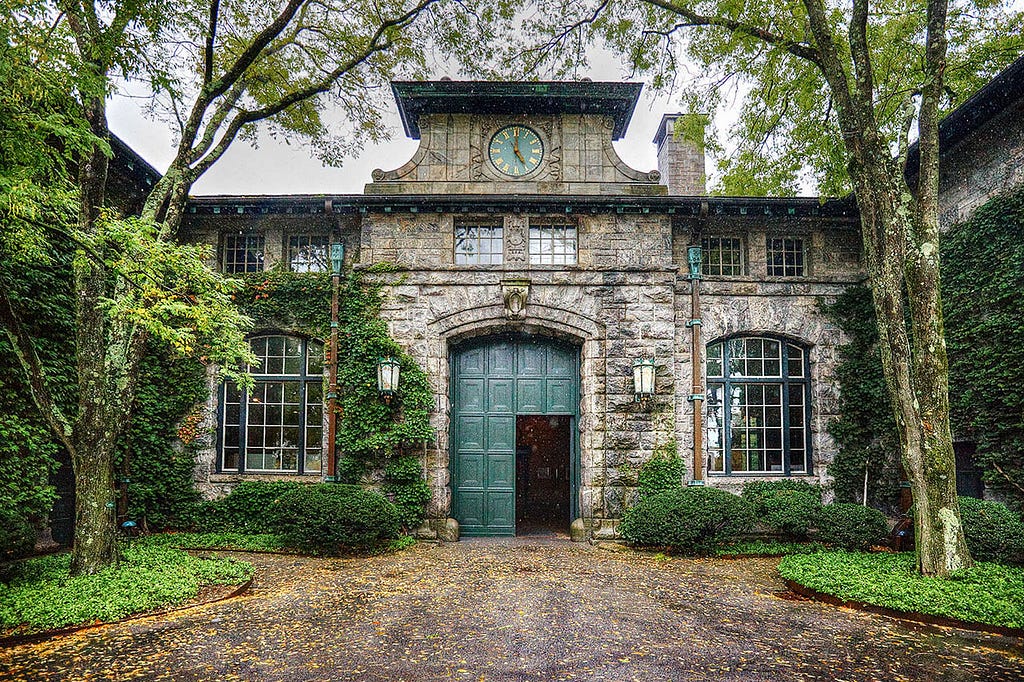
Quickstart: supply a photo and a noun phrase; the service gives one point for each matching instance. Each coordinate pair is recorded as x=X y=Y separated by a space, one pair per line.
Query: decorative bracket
x=514 y=293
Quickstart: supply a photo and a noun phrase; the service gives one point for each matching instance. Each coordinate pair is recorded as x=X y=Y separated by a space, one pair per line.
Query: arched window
x=758 y=407
x=277 y=426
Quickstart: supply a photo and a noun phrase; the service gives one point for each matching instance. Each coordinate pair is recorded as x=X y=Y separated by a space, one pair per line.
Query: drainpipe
x=337 y=258
x=694 y=256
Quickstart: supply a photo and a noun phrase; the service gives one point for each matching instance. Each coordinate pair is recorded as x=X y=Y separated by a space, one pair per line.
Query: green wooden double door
x=493 y=382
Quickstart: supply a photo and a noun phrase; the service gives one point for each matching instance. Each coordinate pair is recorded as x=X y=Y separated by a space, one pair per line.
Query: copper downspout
x=337 y=252
x=694 y=258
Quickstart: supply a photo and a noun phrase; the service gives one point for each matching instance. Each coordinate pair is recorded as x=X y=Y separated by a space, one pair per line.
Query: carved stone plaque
x=515 y=239
x=514 y=293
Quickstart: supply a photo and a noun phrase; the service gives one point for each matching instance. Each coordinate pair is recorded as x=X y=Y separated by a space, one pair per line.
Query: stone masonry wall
x=988 y=161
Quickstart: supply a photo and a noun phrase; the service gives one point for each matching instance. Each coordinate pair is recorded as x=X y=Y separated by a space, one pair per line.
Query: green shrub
x=328 y=517
x=851 y=526
x=994 y=533
x=786 y=506
x=251 y=507
x=664 y=471
x=688 y=520
x=405 y=487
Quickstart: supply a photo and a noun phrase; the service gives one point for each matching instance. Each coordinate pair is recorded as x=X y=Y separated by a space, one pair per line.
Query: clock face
x=516 y=150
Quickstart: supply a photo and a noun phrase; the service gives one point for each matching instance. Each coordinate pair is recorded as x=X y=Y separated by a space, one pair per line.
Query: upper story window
x=277 y=426
x=758 y=407
x=786 y=257
x=243 y=253
x=479 y=244
x=308 y=253
x=552 y=244
x=722 y=256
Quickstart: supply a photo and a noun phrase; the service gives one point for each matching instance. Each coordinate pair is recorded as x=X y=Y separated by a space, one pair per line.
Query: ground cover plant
x=37 y=594
x=985 y=593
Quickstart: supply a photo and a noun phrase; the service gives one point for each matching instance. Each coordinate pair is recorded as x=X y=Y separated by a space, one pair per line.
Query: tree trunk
x=915 y=363
x=95 y=437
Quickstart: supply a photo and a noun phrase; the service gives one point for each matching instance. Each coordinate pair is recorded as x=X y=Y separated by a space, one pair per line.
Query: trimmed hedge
x=251 y=507
x=994 y=532
x=787 y=506
x=851 y=526
x=329 y=517
x=687 y=520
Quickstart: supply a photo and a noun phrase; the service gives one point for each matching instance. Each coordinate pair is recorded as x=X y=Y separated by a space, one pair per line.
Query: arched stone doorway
x=514 y=441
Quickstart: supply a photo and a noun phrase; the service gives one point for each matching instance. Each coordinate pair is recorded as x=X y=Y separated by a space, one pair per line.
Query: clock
x=516 y=150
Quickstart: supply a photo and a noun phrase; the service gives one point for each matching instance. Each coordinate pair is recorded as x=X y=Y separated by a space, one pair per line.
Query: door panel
x=492 y=383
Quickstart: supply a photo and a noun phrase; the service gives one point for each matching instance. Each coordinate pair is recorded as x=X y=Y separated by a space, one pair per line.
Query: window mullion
x=243 y=428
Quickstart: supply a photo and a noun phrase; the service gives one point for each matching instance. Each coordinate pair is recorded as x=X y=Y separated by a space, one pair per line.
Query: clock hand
x=515 y=148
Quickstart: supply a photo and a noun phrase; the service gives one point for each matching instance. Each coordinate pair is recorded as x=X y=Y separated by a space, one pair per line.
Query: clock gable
x=457 y=154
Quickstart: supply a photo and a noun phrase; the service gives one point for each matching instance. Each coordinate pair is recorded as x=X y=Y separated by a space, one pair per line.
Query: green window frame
x=758 y=407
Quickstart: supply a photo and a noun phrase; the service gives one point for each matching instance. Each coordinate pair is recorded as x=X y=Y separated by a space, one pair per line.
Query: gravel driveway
x=522 y=609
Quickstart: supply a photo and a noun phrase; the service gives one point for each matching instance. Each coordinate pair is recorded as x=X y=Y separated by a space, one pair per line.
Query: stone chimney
x=680 y=158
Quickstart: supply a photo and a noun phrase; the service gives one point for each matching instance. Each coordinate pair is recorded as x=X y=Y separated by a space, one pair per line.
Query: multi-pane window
x=758 y=409
x=785 y=257
x=479 y=244
x=722 y=256
x=277 y=425
x=243 y=252
x=552 y=244
x=308 y=253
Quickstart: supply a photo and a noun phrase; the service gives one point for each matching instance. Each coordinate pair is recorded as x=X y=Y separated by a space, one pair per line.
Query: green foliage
x=369 y=428
x=994 y=532
x=253 y=542
x=987 y=593
x=865 y=431
x=851 y=526
x=37 y=594
x=28 y=455
x=664 y=471
x=690 y=521
x=161 y=489
x=982 y=280
x=289 y=301
x=787 y=506
x=767 y=548
x=405 y=487
x=328 y=517
x=250 y=507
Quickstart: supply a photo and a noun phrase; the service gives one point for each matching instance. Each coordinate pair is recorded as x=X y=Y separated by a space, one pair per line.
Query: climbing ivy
x=371 y=432
x=865 y=432
x=157 y=453
x=982 y=281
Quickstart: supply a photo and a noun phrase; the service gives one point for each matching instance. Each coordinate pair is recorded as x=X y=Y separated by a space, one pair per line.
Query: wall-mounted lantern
x=387 y=377
x=643 y=379
x=694 y=256
x=337 y=257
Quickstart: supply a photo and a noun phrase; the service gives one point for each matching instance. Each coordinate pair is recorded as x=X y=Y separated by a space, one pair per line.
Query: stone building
x=540 y=273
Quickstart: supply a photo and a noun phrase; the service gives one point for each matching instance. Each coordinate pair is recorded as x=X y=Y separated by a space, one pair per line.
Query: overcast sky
x=276 y=168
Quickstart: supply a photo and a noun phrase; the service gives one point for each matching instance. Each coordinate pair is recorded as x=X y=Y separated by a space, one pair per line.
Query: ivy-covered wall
x=983 y=300
x=375 y=438
x=982 y=281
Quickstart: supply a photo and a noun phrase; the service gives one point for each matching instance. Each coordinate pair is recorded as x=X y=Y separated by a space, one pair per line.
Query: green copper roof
x=488 y=97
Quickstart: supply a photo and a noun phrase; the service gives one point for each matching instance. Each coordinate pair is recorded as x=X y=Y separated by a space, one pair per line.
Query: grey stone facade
x=626 y=296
